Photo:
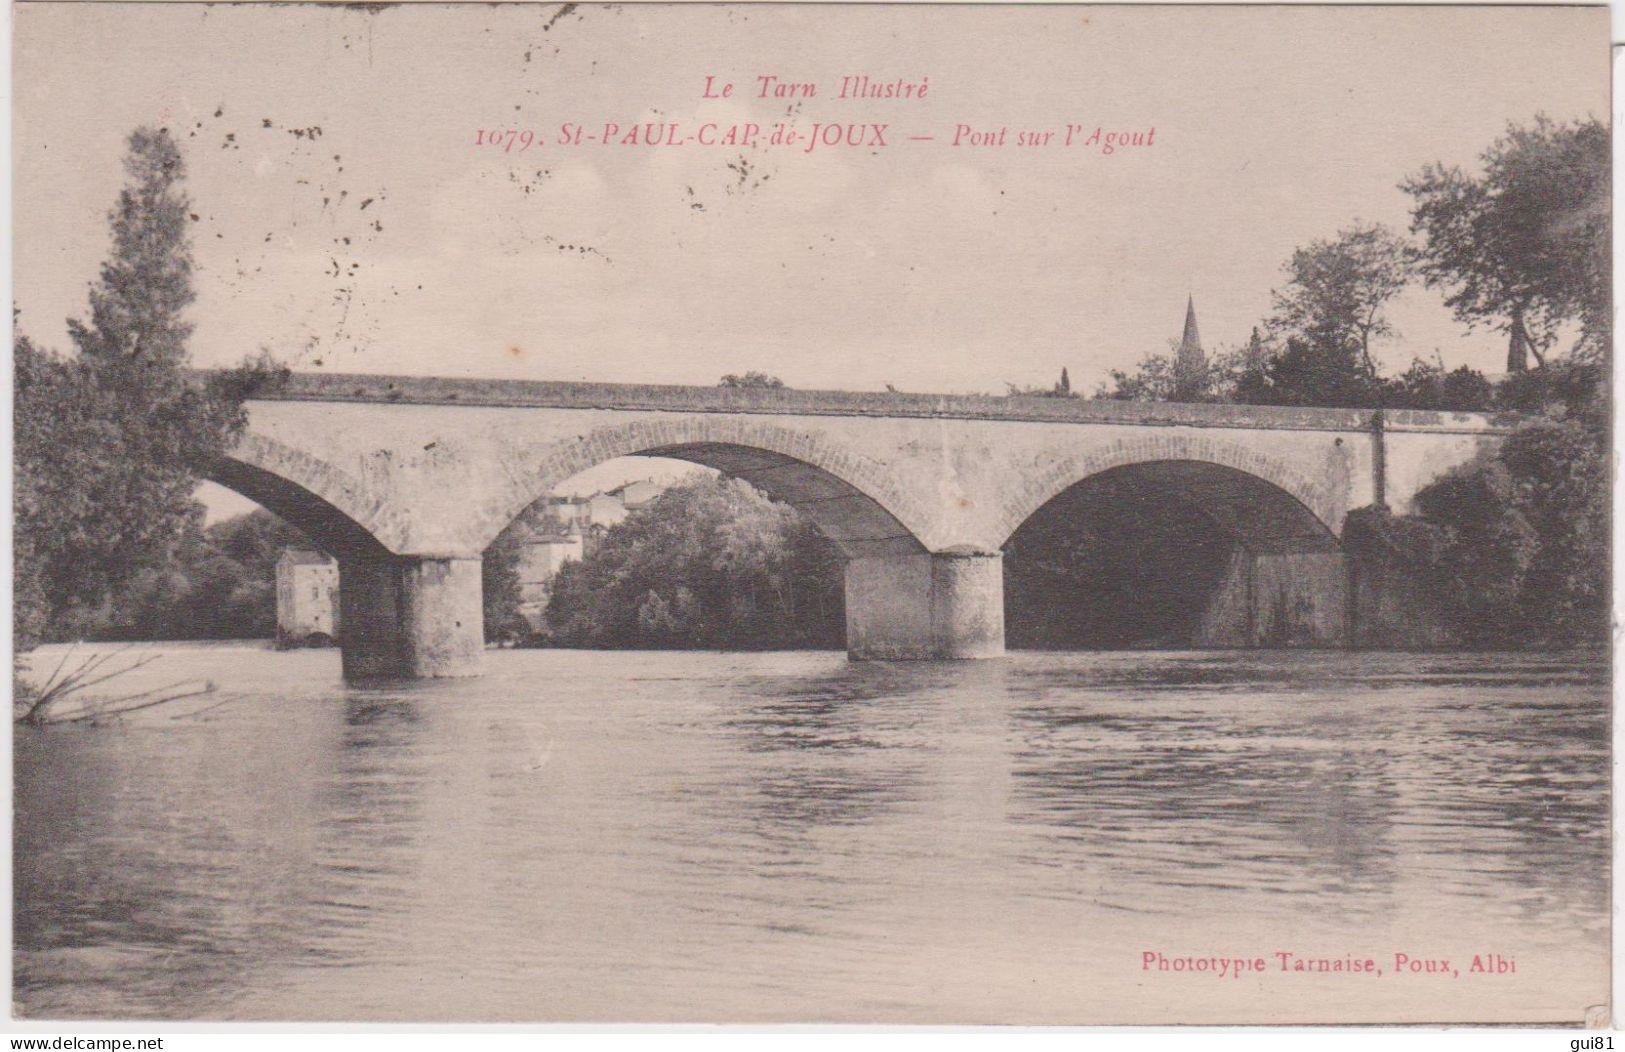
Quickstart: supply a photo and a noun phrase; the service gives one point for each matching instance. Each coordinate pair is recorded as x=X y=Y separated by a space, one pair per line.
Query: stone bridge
x=408 y=480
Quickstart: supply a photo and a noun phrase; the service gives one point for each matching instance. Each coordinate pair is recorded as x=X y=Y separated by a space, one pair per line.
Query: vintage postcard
x=758 y=513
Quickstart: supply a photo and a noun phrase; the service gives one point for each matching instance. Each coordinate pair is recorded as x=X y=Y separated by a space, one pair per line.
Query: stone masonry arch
x=399 y=616
x=855 y=499
x=1066 y=471
x=325 y=502
x=1284 y=581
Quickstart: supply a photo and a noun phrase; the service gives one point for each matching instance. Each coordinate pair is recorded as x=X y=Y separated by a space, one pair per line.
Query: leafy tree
x=146 y=283
x=752 y=379
x=1426 y=385
x=255 y=541
x=1338 y=290
x=501 y=591
x=1489 y=547
x=1312 y=373
x=1243 y=368
x=1515 y=549
x=53 y=437
x=1062 y=389
x=1561 y=475
x=215 y=582
x=1316 y=350
x=219 y=582
x=1565 y=388
x=1224 y=373
x=1523 y=246
x=109 y=440
x=710 y=563
x=1156 y=377
x=1517 y=545
x=1152 y=380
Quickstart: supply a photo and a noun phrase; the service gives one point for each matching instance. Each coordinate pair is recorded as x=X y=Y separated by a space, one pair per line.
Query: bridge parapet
x=437 y=390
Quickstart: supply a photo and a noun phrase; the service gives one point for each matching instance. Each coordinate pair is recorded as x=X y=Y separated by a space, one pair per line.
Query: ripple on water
x=588 y=835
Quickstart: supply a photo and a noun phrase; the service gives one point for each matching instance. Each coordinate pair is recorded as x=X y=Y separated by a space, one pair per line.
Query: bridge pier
x=404 y=617
x=945 y=605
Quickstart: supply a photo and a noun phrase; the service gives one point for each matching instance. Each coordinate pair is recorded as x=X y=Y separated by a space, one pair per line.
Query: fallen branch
x=45 y=708
x=107 y=709
x=227 y=700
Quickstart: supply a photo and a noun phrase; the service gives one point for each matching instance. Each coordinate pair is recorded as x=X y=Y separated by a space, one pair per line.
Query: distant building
x=307 y=597
x=605 y=509
x=539 y=559
x=635 y=495
x=560 y=529
x=1190 y=364
x=568 y=511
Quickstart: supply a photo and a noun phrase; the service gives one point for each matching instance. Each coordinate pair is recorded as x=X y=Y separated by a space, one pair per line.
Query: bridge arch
x=1211 y=466
x=853 y=498
x=322 y=501
x=1174 y=541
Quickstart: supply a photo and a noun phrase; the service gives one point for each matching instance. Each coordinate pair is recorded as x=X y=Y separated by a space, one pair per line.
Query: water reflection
x=787 y=836
x=830 y=750
x=366 y=827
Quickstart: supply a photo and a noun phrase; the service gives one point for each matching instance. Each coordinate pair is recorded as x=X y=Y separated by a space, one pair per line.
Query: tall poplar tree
x=109 y=441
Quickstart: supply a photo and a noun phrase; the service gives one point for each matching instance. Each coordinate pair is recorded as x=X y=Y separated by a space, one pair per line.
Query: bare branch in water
x=60 y=665
x=43 y=709
x=227 y=700
x=82 y=683
x=113 y=708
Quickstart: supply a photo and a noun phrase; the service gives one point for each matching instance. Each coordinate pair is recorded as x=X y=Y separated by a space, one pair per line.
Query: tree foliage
x=1567 y=388
x=1561 y=473
x=1062 y=389
x=502 y=593
x=1513 y=548
x=752 y=379
x=1337 y=292
x=1156 y=378
x=1311 y=372
x=215 y=582
x=1427 y=385
x=710 y=563
x=1519 y=543
x=1516 y=548
x=1315 y=349
x=1523 y=245
x=1152 y=380
x=109 y=441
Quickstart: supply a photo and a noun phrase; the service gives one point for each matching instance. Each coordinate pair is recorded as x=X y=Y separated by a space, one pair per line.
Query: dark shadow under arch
x=327 y=527
x=1134 y=555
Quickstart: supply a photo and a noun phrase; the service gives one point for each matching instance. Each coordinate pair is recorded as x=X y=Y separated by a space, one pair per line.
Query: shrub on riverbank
x=1515 y=549
x=217 y=582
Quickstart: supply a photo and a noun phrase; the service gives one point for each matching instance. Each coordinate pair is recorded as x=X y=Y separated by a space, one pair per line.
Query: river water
x=790 y=837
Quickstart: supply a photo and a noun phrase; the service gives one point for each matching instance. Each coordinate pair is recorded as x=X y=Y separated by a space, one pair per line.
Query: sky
x=350 y=220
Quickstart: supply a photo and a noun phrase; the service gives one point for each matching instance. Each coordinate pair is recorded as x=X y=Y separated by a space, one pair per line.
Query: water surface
x=790 y=837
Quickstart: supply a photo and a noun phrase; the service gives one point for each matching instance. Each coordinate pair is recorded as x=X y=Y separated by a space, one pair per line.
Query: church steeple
x=1192 y=342
x=1190 y=364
